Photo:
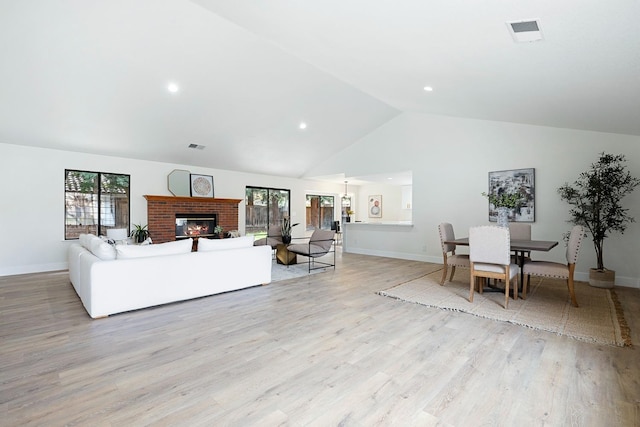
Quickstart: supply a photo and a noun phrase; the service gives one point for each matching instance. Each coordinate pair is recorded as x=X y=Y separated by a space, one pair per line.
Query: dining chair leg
x=574 y=301
x=444 y=274
x=472 y=286
x=453 y=270
x=506 y=293
x=572 y=293
x=525 y=285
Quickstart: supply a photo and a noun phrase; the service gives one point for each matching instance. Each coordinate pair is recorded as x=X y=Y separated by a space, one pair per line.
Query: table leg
x=521 y=270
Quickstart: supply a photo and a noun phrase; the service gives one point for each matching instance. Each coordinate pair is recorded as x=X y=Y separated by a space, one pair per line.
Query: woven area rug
x=599 y=319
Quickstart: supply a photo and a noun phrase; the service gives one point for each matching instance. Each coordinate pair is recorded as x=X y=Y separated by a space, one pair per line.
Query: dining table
x=520 y=247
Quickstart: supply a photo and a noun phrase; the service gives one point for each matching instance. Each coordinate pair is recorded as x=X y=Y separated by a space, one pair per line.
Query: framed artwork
x=516 y=181
x=201 y=185
x=375 y=206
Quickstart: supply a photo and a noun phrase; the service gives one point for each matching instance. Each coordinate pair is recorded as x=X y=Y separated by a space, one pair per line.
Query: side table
x=283 y=256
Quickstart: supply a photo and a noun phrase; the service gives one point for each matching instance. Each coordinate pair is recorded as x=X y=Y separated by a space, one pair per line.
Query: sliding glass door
x=265 y=207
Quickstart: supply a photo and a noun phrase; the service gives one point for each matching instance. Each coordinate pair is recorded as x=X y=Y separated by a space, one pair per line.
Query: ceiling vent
x=525 y=31
x=196 y=146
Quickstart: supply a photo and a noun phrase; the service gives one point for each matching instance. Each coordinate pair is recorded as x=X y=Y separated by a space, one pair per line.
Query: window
x=95 y=202
x=319 y=212
x=265 y=207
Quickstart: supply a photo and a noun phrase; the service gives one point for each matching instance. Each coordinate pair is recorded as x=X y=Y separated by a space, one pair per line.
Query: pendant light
x=345 y=199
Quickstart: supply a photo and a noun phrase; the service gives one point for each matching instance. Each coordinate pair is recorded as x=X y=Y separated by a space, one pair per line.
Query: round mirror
x=178 y=182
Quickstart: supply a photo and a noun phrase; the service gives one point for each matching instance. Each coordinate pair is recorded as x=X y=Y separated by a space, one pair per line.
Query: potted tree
x=595 y=198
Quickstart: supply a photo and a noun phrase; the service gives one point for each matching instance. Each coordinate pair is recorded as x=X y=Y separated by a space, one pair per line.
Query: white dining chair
x=490 y=258
x=558 y=270
x=449 y=256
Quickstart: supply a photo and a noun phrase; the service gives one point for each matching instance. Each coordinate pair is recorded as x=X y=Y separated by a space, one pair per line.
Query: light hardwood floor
x=322 y=350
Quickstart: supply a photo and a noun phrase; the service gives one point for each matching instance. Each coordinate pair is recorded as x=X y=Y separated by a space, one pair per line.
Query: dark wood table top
x=516 y=245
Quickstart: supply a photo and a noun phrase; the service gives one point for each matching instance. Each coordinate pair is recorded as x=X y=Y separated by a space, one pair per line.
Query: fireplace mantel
x=161 y=213
x=178 y=199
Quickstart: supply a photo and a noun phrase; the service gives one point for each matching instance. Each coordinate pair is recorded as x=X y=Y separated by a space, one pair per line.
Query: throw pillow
x=207 y=245
x=85 y=240
x=102 y=249
x=169 y=248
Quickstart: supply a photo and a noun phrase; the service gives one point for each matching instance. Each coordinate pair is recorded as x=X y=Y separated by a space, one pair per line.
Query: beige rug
x=281 y=272
x=599 y=319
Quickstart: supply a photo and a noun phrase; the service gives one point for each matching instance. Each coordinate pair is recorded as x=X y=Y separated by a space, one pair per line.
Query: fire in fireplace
x=195 y=225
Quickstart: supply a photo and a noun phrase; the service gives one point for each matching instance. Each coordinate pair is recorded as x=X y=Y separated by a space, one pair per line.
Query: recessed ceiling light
x=303 y=125
x=428 y=89
x=173 y=88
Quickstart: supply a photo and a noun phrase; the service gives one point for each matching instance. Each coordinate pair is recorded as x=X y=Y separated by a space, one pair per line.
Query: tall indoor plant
x=596 y=198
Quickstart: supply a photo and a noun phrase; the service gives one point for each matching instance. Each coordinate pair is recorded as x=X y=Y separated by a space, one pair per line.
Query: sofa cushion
x=207 y=245
x=169 y=248
x=85 y=240
x=102 y=249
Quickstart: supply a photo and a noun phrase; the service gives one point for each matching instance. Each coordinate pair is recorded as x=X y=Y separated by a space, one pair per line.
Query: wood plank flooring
x=322 y=350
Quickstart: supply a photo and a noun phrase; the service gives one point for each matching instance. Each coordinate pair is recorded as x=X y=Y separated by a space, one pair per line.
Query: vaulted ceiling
x=92 y=75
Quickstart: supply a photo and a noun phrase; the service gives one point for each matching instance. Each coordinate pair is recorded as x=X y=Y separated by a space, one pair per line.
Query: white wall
x=391 y=203
x=450 y=159
x=32 y=194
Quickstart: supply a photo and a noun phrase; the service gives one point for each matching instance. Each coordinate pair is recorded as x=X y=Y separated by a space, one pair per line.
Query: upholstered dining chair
x=490 y=258
x=520 y=231
x=558 y=270
x=449 y=256
x=320 y=244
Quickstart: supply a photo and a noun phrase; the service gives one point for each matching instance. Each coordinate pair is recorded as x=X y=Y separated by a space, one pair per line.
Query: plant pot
x=139 y=238
x=503 y=217
x=286 y=239
x=347 y=219
x=602 y=279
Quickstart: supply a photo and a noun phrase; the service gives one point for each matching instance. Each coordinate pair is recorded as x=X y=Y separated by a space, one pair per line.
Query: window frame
x=101 y=200
x=309 y=224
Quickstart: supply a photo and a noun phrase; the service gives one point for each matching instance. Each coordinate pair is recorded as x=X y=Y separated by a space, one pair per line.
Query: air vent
x=525 y=31
x=196 y=146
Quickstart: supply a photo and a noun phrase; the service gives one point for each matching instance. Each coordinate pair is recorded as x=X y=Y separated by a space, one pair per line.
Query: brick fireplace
x=162 y=210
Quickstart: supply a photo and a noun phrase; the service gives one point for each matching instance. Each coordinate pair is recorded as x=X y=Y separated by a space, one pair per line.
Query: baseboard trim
x=36 y=268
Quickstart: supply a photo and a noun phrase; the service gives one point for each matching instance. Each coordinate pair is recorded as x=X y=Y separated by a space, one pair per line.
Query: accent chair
x=273 y=239
x=320 y=244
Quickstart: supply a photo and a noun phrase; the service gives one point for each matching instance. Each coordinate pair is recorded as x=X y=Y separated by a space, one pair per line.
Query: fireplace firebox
x=195 y=225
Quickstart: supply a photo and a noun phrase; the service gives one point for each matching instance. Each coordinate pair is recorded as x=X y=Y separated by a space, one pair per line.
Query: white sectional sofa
x=112 y=279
